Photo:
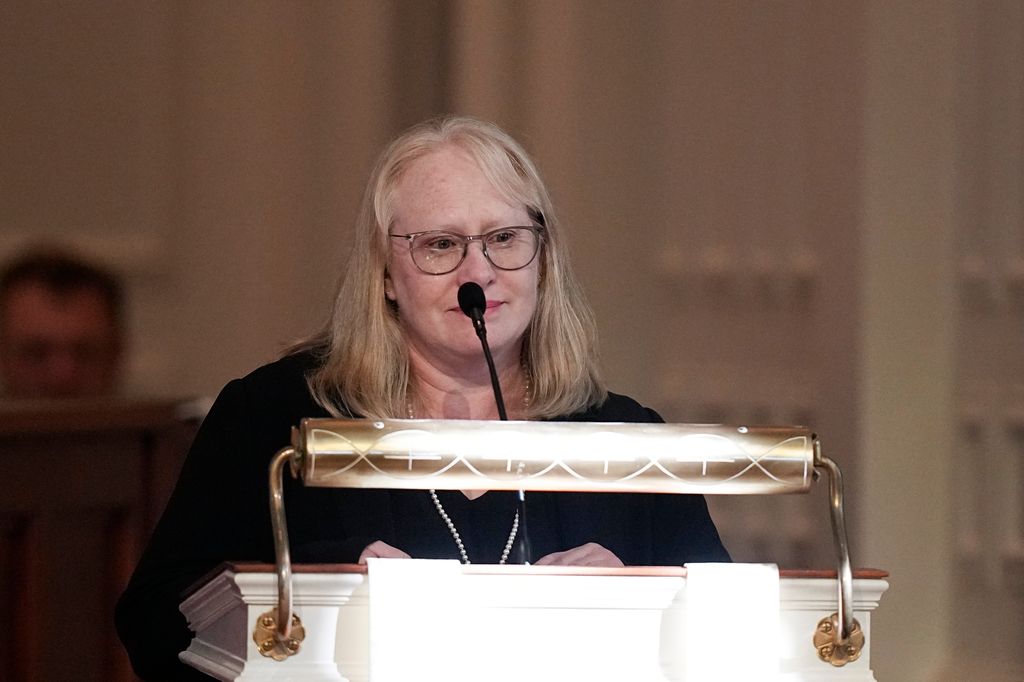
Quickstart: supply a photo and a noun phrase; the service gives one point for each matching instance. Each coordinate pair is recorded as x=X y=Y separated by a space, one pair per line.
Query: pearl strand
x=458 y=538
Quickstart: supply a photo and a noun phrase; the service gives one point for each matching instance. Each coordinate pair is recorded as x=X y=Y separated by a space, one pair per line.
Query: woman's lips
x=491 y=305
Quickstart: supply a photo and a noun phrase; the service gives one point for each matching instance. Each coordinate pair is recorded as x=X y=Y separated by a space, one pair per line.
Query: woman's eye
x=440 y=243
x=502 y=237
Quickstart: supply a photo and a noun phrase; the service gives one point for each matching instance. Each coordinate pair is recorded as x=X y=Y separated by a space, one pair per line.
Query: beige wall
x=775 y=208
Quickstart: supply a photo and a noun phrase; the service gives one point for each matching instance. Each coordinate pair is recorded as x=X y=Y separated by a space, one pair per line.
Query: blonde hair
x=364 y=364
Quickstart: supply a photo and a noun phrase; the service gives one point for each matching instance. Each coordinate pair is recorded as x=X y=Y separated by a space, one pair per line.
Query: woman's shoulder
x=288 y=369
x=278 y=385
x=617 y=408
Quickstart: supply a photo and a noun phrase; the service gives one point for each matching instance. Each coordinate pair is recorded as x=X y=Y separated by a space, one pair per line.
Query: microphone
x=473 y=303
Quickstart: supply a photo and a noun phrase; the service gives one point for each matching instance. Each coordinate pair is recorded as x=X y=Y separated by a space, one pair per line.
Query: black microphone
x=473 y=303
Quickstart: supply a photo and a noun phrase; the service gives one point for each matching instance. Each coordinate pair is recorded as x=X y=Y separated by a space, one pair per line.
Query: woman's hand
x=590 y=554
x=381 y=550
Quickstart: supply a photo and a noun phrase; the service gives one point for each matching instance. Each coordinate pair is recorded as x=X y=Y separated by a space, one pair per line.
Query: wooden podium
x=432 y=620
x=86 y=481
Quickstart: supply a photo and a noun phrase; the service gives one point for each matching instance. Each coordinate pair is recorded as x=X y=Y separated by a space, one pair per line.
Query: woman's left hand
x=590 y=554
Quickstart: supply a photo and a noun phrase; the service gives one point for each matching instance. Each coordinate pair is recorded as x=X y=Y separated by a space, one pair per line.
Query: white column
x=908 y=340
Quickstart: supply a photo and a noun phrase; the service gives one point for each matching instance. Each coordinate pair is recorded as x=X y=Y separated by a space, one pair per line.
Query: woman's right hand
x=381 y=550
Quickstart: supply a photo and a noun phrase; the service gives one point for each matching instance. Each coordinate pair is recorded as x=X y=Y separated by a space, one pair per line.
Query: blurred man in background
x=60 y=327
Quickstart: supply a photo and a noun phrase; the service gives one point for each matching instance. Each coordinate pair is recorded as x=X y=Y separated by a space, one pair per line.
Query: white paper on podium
x=460 y=627
x=416 y=602
x=429 y=620
x=732 y=622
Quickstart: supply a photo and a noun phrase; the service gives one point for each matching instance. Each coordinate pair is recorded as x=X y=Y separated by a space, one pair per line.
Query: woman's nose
x=476 y=267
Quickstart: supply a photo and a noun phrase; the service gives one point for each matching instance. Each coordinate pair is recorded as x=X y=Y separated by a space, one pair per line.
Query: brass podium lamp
x=556 y=456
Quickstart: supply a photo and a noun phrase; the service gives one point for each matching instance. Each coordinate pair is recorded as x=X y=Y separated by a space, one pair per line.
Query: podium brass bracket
x=270 y=644
x=280 y=637
x=833 y=650
x=838 y=638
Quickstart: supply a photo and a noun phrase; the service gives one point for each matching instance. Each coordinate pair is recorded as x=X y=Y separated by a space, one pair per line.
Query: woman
x=450 y=201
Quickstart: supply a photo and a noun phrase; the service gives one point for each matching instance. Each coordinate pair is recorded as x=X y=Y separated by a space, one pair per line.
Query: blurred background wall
x=789 y=212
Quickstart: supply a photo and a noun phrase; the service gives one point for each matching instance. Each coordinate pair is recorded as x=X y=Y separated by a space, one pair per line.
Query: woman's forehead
x=450 y=185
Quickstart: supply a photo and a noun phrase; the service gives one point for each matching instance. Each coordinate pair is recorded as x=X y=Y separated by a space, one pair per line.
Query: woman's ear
x=389 y=289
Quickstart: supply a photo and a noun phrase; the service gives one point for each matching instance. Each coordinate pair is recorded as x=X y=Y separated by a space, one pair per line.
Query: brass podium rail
x=555 y=456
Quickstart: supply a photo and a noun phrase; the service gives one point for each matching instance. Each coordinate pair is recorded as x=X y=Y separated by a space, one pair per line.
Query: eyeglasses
x=437 y=252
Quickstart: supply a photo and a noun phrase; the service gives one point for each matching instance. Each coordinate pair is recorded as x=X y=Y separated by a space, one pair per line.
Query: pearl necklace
x=463 y=556
x=458 y=539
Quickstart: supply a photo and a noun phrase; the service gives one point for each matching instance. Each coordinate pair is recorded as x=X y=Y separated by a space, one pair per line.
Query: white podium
x=440 y=620
x=400 y=620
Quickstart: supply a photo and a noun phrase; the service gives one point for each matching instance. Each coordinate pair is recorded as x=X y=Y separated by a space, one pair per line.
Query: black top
x=220 y=512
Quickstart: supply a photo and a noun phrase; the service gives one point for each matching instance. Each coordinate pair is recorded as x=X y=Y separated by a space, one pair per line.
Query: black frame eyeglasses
x=506 y=248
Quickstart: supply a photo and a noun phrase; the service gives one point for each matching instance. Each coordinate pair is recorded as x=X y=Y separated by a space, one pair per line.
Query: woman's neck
x=440 y=393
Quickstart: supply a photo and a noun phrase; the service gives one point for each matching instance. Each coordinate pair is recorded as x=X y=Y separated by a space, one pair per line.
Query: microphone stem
x=523 y=541
x=523 y=550
x=482 y=333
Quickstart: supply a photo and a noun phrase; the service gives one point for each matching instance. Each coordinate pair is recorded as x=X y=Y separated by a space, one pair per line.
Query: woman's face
x=446 y=190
